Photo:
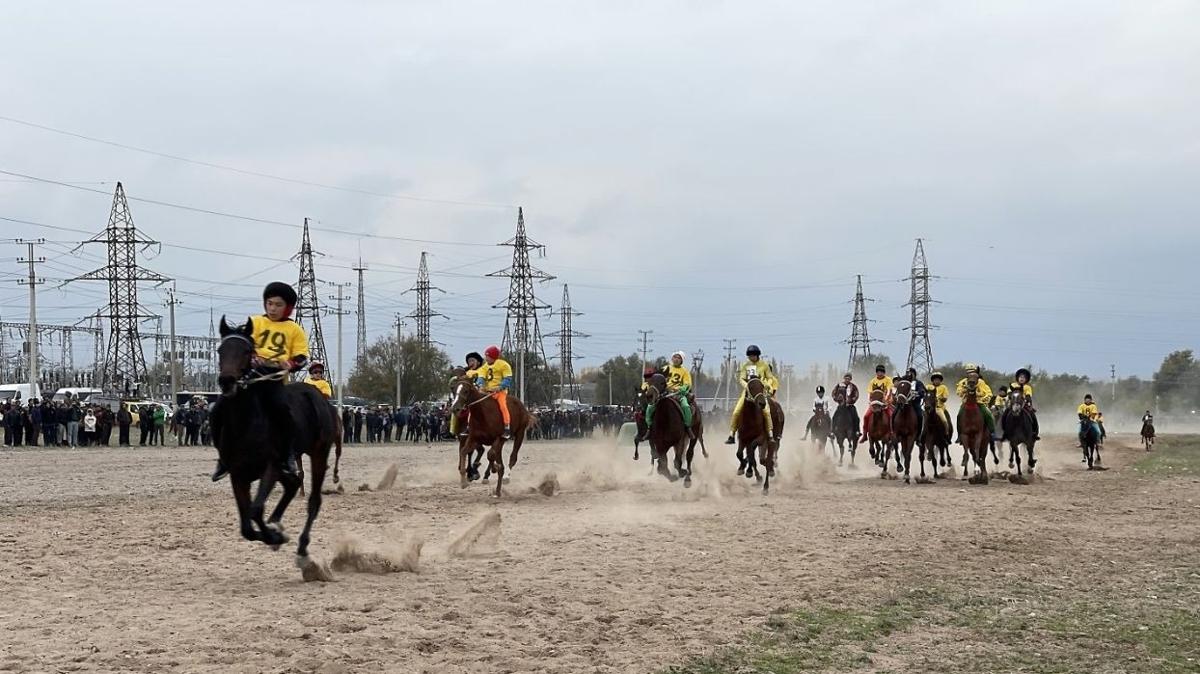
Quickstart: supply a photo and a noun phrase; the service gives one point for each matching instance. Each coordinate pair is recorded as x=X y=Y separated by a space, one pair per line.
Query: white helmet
x=682 y=355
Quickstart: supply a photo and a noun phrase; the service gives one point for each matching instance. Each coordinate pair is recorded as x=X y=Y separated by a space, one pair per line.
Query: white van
x=10 y=391
x=80 y=394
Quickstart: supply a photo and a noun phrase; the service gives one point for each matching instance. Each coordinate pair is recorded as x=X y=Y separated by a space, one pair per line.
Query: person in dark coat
x=124 y=420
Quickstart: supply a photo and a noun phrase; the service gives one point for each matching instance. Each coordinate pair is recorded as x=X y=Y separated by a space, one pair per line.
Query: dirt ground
x=130 y=559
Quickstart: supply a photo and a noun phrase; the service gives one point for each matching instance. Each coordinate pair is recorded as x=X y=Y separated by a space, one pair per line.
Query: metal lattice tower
x=860 y=342
x=424 y=311
x=566 y=350
x=522 y=304
x=920 y=353
x=361 y=351
x=124 y=362
x=308 y=305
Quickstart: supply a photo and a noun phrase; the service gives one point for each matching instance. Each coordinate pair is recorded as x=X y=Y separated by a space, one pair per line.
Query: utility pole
x=32 y=281
x=172 y=360
x=730 y=346
x=340 y=298
x=697 y=365
x=645 y=346
x=1113 y=373
x=399 y=359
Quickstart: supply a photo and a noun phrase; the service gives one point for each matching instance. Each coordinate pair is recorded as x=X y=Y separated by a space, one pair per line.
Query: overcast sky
x=704 y=169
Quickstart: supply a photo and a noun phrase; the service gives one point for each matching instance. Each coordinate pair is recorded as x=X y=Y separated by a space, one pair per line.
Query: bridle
x=458 y=394
x=250 y=377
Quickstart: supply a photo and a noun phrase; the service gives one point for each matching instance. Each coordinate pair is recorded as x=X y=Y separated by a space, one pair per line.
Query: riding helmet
x=880 y=368
x=474 y=354
x=682 y=355
x=912 y=371
x=492 y=352
x=972 y=367
x=936 y=375
x=316 y=365
x=820 y=390
x=648 y=372
x=753 y=350
x=1023 y=371
x=281 y=290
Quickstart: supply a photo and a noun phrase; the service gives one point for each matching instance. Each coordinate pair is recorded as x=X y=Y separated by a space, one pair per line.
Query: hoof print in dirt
x=1018 y=479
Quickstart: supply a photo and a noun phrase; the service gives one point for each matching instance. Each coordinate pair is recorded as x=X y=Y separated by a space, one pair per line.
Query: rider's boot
x=730 y=440
x=220 y=472
x=289 y=468
x=507 y=435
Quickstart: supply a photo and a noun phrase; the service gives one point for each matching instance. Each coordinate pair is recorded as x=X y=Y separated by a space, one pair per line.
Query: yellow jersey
x=1089 y=410
x=321 y=385
x=762 y=370
x=679 y=379
x=279 y=341
x=941 y=394
x=1027 y=389
x=496 y=375
x=983 y=392
x=883 y=386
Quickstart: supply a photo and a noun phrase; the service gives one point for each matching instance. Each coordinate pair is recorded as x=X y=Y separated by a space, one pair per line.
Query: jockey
x=679 y=385
x=883 y=385
x=941 y=395
x=983 y=394
x=1148 y=418
x=316 y=377
x=496 y=377
x=846 y=393
x=918 y=398
x=279 y=344
x=1100 y=423
x=820 y=408
x=470 y=373
x=753 y=368
x=1021 y=383
x=1088 y=412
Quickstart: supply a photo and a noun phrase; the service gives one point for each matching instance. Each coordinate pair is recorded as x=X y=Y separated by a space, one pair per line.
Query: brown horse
x=879 y=432
x=667 y=432
x=1148 y=435
x=643 y=400
x=752 y=434
x=905 y=423
x=935 y=446
x=486 y=428
x=973 y=432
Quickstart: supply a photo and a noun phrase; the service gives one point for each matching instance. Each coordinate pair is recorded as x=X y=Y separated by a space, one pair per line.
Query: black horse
x=845 y=430
x=250 y=447
x=1017 y=422
x=1089 y=437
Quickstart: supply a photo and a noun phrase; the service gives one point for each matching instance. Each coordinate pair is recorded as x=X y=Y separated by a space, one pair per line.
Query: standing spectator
x=89 y=428
x=358 y=424
x=104 y=425
x=191 y=420
x=74 y=416
x=347 y=425
x=179 y=424
x=145 y=425
x=7 y=417
x=160 y=424
x=33 y=423
x=62 y=416
x=49 y=423
x=124 y=420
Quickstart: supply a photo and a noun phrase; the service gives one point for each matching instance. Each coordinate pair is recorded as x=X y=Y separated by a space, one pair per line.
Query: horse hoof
x=741 y=472
x=758 y=479
x=906 y=480
x=687 y=482
x=1018 y=479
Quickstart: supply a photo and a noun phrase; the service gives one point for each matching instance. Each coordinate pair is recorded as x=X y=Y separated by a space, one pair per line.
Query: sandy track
x=130 y=560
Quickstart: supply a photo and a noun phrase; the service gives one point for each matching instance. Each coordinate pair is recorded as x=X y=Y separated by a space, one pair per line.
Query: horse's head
x=972 y=396
x=1016 y=399
x=234 y=354
x=756 y=392
x=463 y=389
x=659 y=381
x=903 y=391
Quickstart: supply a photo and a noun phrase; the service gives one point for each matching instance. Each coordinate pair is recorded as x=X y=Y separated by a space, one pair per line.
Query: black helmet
x=880 y=368
x=911 y=370
x=820 y=390
x=474 y=354
x=281 y=290
x=753 y=350
x=1023 y=371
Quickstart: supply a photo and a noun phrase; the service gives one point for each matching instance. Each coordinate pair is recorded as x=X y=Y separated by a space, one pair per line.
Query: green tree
x=1177 y=382
x=863 y=367
x=425 y=372
x=623 y=374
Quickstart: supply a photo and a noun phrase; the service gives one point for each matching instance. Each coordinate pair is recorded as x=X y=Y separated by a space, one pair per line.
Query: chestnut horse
x=879 y=432
x=667 y=432
x=905 y=423
x=973 y=432
x=485 y=428
x=752 y=433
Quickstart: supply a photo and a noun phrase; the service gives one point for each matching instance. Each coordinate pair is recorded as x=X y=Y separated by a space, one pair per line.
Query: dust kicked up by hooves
x=353 y=556
x=481 y=539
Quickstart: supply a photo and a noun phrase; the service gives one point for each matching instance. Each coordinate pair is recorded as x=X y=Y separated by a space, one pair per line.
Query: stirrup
x=507 y=434
x=730 y=440
x=220 y=473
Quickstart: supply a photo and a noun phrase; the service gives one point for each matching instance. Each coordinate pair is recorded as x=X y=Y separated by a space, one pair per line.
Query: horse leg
x=908 y=449
x=1015 y=457
x=241 y=494
x=691 y=453
x=496 y=463
x=272 y=535
x=464 y=454
x=1032 y=458
x=741 y=456
x=319 y=463
x=290 y=487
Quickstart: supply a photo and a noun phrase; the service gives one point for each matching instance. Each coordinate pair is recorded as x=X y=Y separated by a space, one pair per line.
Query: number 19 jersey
x=279 y=341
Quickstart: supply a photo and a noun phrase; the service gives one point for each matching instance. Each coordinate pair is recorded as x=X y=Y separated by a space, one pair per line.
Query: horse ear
x=248 y=328
x=224 y=328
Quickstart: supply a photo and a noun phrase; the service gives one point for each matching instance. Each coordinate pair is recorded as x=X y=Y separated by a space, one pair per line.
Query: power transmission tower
x=522 y=305
x=308 y=305
x=340 y=298
x=33 y=282
x=566 y=349
x=424 y=312
x=124 y=363
x=360 y=353
x=920 y=353
x=860 y=343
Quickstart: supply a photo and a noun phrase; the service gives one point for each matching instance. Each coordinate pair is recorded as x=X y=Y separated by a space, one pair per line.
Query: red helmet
x=649 y=371
x=316 y=365
x=492 y=352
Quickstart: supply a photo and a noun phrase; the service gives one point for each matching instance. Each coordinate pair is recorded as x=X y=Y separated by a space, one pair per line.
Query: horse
x=668 y=432
x=905 y=424
x=845 y=429
x=821 y=428
x=1017 y=423
x=250 y=450
x=972 y=431
x=1090 y=439
x=485 y=428
x=935 y=445
x=879 y=432
x=1148 y=435
x=642 y=402
x=752 y=433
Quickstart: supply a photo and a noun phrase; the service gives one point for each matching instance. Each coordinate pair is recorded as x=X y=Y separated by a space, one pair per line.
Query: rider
x=1148 y=418
x=316 y=377
x=679 y=386
x=753 y=368
x=470 y=373
x=1088 y=413
x=941 y=395
x=1021 y=383
x=279 y=344
x=496 y=378
x=881 y=384
x=918 y=399
x=820 y=409
x=983 y=394
x=1100 y=423
x=999 y=406
x=846 y=393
